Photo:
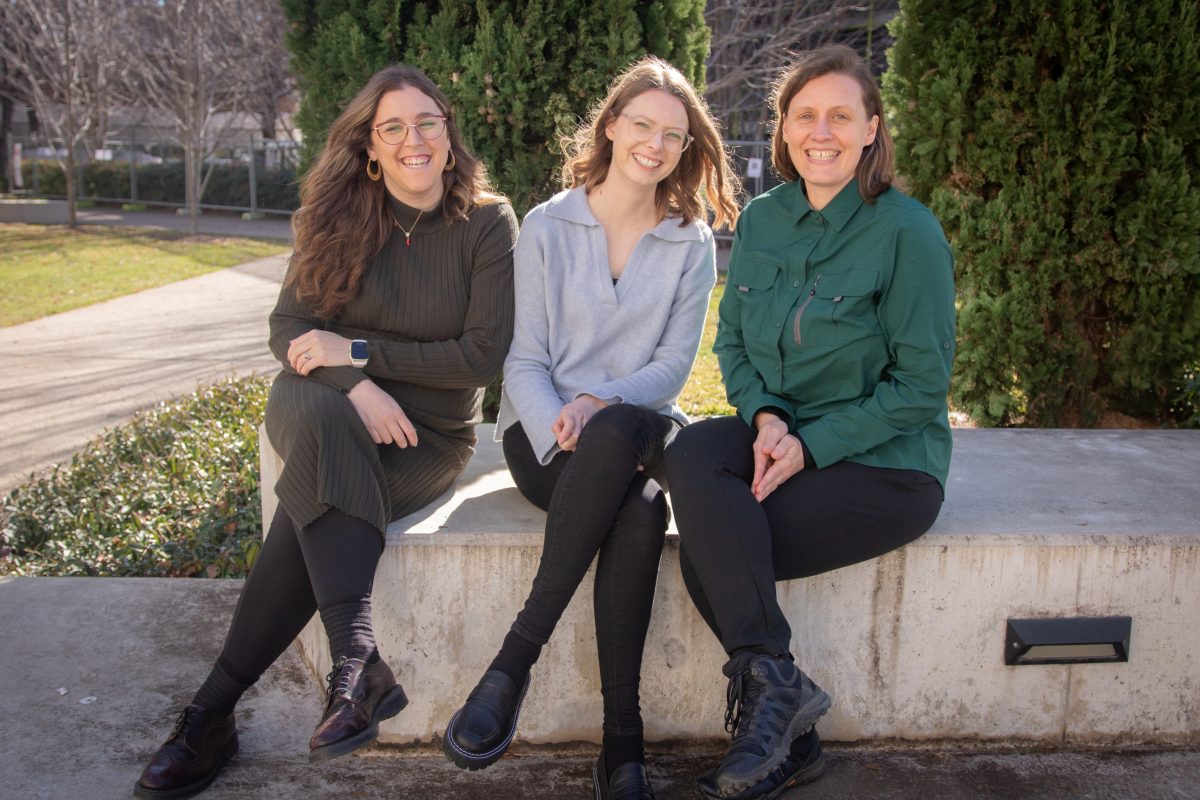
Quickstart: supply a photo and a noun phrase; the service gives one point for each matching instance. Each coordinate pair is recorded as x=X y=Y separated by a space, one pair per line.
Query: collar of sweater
x=571 y=205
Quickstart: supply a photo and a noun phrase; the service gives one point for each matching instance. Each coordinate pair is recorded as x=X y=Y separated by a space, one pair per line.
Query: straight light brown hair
x=876 y=169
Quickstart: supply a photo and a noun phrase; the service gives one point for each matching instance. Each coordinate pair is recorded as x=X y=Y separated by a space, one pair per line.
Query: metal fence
x=253 y=157
x=751 y=162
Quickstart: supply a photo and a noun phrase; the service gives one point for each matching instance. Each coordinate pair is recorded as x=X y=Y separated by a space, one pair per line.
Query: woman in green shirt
x=835 y=340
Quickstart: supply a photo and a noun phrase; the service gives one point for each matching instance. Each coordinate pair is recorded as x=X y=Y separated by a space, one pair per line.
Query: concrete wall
x=910 y=645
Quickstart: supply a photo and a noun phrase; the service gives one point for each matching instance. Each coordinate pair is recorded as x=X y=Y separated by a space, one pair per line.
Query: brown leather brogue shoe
x=361 y=695
x=199 y=745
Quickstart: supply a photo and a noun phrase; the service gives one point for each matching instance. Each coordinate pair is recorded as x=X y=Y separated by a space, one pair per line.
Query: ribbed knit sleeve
x=292 y=318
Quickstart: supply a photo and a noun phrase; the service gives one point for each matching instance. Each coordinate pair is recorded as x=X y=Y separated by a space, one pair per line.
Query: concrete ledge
x=34 y=211
x=1036 y=523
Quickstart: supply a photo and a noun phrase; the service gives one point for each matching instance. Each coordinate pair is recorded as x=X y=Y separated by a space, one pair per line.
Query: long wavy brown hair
x=343 y=220
x=876 y=169
x=702 y=177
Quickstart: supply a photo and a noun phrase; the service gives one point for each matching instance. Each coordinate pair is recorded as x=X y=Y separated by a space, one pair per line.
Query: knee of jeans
x=612 y=424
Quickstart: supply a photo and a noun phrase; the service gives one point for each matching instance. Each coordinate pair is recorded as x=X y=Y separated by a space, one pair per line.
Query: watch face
x=358 y=349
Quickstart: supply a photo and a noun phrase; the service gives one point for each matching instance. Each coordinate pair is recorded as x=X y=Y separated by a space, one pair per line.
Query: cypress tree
x=519 y=72
x=1058 y=145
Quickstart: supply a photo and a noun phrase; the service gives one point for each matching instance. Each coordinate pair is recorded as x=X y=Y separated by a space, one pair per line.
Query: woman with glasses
x=613 y=277
x=396 y=310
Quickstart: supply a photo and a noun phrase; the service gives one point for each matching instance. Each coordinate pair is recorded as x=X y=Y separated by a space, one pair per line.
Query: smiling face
x=412 y=170
x=643 y=152
x=826 y=129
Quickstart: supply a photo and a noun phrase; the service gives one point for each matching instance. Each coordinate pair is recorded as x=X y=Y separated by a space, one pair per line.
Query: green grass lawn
x=45 y=269
x=704 y=394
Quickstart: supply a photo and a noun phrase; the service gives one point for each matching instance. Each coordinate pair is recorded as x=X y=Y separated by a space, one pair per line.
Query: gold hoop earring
x=375 y=174
x=450 y=164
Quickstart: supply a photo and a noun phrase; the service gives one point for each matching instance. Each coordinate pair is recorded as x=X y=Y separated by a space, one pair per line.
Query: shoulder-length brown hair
x=703 y=175
x=876 y=166
x=343 y=219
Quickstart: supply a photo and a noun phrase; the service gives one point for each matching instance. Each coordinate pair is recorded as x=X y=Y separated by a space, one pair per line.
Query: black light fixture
x=1068 y=640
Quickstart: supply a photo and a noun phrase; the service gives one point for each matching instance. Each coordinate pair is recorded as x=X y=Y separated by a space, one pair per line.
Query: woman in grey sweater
x=612 y=281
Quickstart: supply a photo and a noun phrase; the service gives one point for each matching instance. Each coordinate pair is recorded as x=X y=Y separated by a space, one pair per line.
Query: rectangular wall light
x=1067 y=640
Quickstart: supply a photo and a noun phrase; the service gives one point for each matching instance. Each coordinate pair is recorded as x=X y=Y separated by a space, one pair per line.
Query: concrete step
x=141 y=647
x=1036 y=524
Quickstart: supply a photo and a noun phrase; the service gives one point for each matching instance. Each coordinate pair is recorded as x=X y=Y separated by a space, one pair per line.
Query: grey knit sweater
x=578 y=333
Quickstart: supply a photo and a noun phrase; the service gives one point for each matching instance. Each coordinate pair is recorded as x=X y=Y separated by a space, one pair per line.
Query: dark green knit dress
x=438 y=317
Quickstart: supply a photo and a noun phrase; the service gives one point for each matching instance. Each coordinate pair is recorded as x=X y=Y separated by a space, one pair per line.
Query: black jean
x=733 y=549
x=597 y=501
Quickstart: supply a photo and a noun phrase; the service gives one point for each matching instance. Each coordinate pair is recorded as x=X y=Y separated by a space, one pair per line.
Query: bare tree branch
x=64 y=49
x=753 y=39
x=196 y=63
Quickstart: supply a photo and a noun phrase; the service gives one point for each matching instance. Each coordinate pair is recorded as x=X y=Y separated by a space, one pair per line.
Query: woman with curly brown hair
x=613 y=277
x=396 y=310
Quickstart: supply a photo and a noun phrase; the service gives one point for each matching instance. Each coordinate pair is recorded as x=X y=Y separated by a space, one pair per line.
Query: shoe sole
x=805 y=775
x=473 y=761
x=801 y=724
x=388 y=707
x=191 y=789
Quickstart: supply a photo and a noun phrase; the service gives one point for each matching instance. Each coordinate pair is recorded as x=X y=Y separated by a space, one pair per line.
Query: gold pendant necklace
x=407 y=233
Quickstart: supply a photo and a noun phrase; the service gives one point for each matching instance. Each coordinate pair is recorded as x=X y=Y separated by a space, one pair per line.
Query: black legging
x=733 y=548
x=330 y=561
x=598 y=501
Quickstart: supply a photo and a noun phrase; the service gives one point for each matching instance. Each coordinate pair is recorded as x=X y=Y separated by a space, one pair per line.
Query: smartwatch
x=358 y=353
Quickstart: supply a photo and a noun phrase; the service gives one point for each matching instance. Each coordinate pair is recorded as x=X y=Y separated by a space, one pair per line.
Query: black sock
x=517 y=655
x=621 y=749
x=221 y=690
x=348 y=625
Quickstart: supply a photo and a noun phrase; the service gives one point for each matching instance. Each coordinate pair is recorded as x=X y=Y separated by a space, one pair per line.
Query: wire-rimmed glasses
x=395 y=132
x=643 y=130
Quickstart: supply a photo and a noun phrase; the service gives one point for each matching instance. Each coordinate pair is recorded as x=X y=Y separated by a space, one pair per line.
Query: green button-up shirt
x=844 y=319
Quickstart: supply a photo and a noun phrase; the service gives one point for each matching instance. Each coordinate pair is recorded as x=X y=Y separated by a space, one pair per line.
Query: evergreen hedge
x=163 y=183
x=1058 y=145
x=519 y=72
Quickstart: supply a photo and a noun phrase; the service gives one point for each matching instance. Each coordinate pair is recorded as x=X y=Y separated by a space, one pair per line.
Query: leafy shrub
x=174 y=492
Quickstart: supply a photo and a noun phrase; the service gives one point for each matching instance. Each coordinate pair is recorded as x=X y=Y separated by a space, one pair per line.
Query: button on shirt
x=844 y=319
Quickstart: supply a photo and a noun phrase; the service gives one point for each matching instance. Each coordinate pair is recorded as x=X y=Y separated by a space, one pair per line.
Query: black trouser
x=598 y=501
x=733 y=549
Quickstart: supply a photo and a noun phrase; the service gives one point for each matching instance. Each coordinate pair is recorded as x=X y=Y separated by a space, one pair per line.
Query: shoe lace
x=338 y=678
x=185 y=718
x=734 y=703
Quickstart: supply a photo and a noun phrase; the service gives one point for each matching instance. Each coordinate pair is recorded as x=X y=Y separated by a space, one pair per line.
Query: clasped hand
x=571 y=419
x=318 y=349
x=778 y=455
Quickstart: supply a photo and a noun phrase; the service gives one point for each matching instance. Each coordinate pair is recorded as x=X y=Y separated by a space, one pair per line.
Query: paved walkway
x=129 y=652
x=71 y=375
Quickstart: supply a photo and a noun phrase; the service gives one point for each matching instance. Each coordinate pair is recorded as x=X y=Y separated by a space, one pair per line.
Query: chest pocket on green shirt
x=754 y=283
x=842 y=310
